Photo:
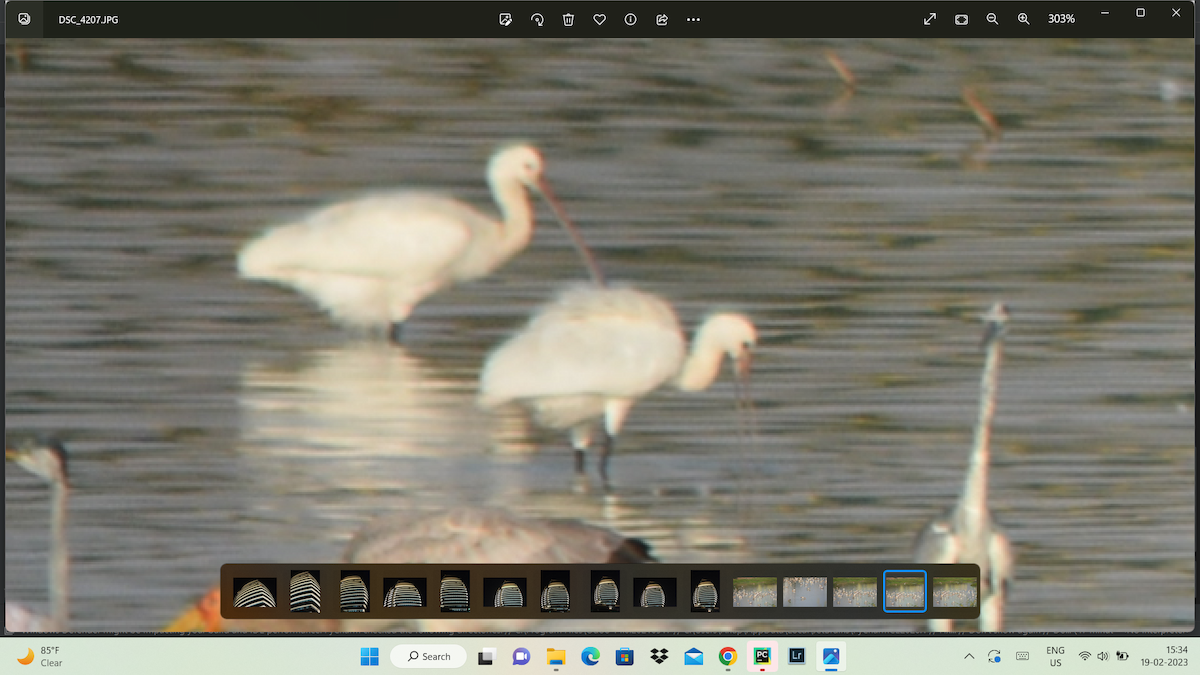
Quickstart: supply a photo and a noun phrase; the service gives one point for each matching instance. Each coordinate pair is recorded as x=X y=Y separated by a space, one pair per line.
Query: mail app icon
x=693 y=657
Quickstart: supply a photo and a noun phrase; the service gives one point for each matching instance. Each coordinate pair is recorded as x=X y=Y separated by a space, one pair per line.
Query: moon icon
x=27 y=660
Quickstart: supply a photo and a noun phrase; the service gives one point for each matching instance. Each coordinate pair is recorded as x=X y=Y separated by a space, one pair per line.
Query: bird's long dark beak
x=745 y=399
x=589 y=259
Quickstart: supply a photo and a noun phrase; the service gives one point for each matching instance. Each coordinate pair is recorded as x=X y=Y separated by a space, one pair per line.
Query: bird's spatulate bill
x=589 y=259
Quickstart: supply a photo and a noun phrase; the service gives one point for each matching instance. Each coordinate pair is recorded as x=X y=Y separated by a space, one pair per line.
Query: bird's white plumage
x=369 y=261
x=595 y=350
x=589 y=346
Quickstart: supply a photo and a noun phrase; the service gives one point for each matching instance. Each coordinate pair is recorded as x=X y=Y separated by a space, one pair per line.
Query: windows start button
x=428 y=656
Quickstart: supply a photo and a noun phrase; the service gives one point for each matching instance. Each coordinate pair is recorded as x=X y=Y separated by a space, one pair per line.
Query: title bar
x=566 y=19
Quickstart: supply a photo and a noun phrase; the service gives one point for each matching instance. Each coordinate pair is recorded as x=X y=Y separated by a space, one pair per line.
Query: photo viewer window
x=725 y=334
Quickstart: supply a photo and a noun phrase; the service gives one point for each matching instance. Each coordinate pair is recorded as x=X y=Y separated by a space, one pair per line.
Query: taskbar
x=659 y=654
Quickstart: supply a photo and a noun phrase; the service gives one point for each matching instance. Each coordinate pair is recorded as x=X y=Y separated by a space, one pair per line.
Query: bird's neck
x=974 y=499
x=516 y=215
x=702 y=366
x=59 y=557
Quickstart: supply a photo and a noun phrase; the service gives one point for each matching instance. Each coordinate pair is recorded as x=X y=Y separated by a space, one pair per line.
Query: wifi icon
x=1085 y=655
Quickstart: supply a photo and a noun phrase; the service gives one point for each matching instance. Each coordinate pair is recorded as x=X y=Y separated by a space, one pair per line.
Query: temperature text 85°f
x=87 y=20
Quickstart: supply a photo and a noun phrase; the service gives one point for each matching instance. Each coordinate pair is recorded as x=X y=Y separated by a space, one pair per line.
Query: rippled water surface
x=215 y=420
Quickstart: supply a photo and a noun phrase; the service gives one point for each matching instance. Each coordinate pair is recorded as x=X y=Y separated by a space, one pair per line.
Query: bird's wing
x=402 y=237
x=612 y=349
x=478 y=536
x=937 y=544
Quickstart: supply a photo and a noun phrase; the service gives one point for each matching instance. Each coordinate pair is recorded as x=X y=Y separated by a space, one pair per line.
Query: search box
x=428 y=656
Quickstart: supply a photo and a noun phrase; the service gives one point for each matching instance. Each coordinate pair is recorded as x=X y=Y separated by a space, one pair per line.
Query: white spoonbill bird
x=370 y=261
x=967 y=533
x=47 y=460
x=592 y=352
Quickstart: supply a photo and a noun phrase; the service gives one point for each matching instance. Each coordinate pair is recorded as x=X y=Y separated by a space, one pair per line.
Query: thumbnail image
x=404 y=593
x=755 y=592
x=805 y=591
x=254 y=593
x=855 y=592
x=306 y=592
x=451 y=302
x=954 y=592
x=904 y=592
x=355 y=596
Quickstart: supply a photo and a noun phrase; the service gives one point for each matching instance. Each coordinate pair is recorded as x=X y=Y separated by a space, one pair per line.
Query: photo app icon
x=832 y=656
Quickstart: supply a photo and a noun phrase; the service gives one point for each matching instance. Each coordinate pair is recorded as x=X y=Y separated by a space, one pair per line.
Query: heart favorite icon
x=599 y=19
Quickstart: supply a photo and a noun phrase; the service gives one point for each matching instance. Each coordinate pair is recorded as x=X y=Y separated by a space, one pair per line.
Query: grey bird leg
x=606 y=447
x=396 y=332
x=579 y=461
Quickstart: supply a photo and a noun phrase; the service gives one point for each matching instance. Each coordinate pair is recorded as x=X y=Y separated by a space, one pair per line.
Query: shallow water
x=214 y=420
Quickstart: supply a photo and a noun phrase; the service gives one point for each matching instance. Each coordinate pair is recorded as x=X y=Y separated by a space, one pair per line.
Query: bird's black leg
x=606 y=447
x=579 y=461
x=396 y=331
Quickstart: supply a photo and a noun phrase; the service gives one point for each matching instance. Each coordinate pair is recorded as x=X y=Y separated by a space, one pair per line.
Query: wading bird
x=46 y=460
x=370 y=261
x=593 y=352
x=469 y=536
x=967 y=533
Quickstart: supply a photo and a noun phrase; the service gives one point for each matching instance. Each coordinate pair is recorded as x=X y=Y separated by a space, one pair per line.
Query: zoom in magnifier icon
x=1023 y=18
x=991 y=17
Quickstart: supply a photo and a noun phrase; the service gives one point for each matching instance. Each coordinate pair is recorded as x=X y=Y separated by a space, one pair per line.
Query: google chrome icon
x=727 y=656
x=591 y=656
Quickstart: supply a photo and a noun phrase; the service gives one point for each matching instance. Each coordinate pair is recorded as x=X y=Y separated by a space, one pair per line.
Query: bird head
x=522 y=163
x=995 y=321
x=736 y=336
x=46 y=459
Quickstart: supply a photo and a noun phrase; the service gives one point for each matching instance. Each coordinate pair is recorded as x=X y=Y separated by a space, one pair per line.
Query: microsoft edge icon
x=591 y=656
